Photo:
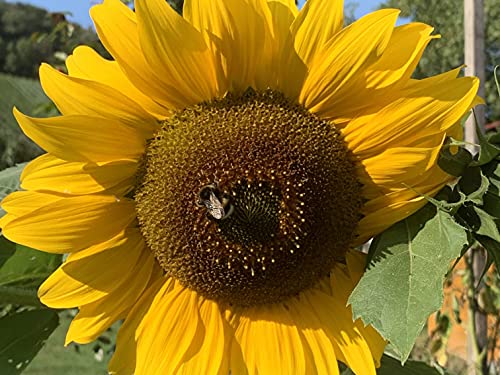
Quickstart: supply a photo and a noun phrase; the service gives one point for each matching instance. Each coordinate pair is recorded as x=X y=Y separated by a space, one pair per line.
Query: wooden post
x=475 y=61
x=474 y=57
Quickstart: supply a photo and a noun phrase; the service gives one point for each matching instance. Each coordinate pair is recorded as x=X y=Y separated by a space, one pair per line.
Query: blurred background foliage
x=30 y=35
x=447 y=17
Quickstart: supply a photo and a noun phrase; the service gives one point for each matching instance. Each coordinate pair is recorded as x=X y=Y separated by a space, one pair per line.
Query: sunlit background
x=79 y=9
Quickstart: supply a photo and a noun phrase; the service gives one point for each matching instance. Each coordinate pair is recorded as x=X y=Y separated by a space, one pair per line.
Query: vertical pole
x=475 y=61
x=474 y=57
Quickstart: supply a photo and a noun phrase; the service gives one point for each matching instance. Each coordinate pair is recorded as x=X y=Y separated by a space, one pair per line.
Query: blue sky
x=80 y=8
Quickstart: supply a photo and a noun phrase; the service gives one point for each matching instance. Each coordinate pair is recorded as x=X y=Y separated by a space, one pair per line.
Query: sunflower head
x=215 y=175
x=248 y=199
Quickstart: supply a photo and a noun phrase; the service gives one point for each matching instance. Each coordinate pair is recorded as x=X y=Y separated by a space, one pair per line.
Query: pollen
x=249 y=199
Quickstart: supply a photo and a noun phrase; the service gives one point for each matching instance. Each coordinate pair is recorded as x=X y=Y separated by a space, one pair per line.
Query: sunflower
x=211 y=182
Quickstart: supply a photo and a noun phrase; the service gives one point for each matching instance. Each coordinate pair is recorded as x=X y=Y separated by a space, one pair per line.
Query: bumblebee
x=216 y=202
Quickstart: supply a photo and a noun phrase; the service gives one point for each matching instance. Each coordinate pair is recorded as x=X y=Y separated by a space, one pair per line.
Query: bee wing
x=215 y=207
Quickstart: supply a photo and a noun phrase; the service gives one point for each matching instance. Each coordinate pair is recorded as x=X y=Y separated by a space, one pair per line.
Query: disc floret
x=249 y=199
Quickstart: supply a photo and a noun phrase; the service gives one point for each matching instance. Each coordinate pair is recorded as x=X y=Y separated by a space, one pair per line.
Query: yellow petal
x=386 y=210
x=48 y=173
x=430 y=82
x=381 y=82
x=94 y=273
x=291 y=12
x=433 y=140
x=347 y=55
x=207 y=16
x=241 y=31
x=269 y=342
x=373 y=339
x=430 y=107
x=5 y=219
x=356 y=263
x=124 y=359
x=286 y=62
x=83 y=138
x=456 y=132
x=21 y=203
x=341 y=284
x=88 y=64
x=315 y=26
x=401 y=56
x=95 y=317
x=336 y=319
x=211 y=357
x=169 y=331
x=400 y=166
x=71 y=224
x=283 y=13
x=76 y=96
x=322 y=358
x=116 y=26
x=177 y=51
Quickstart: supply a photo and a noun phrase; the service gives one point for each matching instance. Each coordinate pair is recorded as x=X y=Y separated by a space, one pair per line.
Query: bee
x=215 y=201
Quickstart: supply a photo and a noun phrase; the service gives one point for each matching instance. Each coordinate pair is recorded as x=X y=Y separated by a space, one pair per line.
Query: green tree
x=447 y=17
x=30 y=35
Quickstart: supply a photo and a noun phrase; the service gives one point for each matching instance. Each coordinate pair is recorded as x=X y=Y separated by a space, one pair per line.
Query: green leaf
x=493 y=249
x=489 y=226
x=479 y=221
x=448 y=200
x=491 y=200
x=492 y=171
x=27 y=267
x=7 y=249
x=487 y=151
x=22 y=271
x=454 y=163
x=404 y=282
x=391 y=366
x=9 y=181
x=23 y=335
x=75 y=359
x=491 y=204
x=494 y=138
x=474 y=185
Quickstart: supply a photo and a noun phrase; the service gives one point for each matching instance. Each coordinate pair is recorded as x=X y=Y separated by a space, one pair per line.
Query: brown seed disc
x=248 y=200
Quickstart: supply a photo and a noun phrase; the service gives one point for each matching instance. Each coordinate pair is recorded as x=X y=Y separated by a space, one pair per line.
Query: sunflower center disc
x=249 y=199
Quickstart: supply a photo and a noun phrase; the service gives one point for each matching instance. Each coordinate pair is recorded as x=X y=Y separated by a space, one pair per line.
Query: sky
x=80 y=8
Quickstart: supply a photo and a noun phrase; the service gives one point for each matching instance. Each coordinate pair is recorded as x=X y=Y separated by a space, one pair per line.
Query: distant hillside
x=30 y=35
x=27 y=95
